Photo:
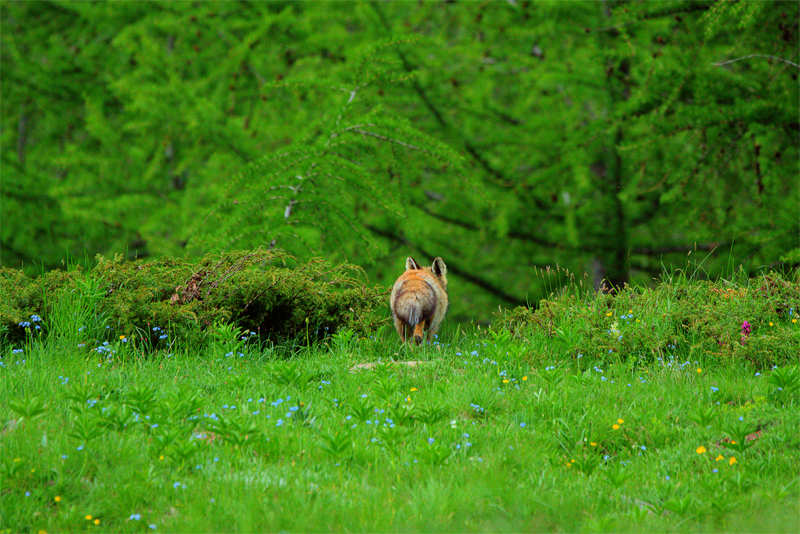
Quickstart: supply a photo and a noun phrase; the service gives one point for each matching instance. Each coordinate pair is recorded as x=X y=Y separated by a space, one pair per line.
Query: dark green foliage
x=256 y=290
x=606 y=137
x=718 y=322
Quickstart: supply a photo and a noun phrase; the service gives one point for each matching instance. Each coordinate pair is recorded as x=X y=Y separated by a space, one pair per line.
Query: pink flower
x=745 y=331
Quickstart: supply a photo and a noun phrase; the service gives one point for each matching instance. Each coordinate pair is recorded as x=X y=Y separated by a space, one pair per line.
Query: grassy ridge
x=578 y=419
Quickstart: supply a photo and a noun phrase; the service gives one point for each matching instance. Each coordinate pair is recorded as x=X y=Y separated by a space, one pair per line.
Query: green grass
x=593 y=421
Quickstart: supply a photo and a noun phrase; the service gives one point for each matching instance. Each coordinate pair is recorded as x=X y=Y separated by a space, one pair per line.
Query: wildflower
x=88 y=518
x=615 y=426
x=413 y=390
x=135 y=517
x=746 y=329
x=701 y=449
x=525 y=377
x=620 y=421
x=732 y=460
x=699 y=370
x=96 y=521
x=720 y=457
x=58 y=498
x=593 y=444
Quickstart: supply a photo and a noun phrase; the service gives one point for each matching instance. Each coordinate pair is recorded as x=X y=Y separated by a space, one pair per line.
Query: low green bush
x=264 y=292
x=752 y=319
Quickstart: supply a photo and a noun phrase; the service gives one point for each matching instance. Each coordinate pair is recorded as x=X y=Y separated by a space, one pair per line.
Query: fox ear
x=438 y=267
x=411 y=264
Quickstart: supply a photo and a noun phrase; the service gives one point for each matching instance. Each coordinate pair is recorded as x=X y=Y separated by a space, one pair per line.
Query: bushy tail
x=414 y=314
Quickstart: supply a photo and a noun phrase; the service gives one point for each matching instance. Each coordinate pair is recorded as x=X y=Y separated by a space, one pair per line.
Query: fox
x=419 y=300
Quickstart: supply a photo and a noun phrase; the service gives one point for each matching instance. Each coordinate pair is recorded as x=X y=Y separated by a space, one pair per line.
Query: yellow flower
x=58 y=498
x=408 y=399
x=608 y=314
x=88 y=518
x=593 y=444
x=794 y=320
x=701 y=449
x=413 y=389
x=525 y=377
x=771 y=323
x=732 y=460
x=122 y=336
x=720 y=457
x=615 y=426
x=96 y=521
x=620 y=421
x=505 y=381
x=161 y=457
x=699 y=370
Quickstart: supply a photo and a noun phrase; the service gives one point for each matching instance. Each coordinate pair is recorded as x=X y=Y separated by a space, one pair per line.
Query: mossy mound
x=266 y=292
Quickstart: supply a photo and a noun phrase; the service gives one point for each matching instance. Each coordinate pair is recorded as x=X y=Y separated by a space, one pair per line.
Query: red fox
x=419 y=299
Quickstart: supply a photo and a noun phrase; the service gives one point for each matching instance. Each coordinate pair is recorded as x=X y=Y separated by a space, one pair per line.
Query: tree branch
x=757 y=55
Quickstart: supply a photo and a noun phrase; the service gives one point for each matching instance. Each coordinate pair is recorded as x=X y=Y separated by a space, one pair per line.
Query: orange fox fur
x=419 y=299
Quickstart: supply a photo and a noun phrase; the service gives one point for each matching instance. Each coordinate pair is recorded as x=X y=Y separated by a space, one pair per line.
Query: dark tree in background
x=612 y=138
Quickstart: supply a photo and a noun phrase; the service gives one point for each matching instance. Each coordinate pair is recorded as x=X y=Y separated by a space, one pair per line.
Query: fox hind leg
x=400 y=326
x=419 y=332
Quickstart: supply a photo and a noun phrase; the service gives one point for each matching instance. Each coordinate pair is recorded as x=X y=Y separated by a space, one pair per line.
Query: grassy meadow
x=668 y=409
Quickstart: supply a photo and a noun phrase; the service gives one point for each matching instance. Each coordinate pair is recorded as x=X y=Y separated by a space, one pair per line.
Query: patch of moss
x=262 y=291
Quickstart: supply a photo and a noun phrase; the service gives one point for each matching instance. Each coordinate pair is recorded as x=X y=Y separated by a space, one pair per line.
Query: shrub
x=705 y=317
x=262 y=291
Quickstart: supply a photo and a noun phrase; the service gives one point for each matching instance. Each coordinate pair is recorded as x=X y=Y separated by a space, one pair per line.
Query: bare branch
x=757 y=55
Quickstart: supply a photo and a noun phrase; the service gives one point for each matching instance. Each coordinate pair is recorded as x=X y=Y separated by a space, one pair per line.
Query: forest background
x=606 y=139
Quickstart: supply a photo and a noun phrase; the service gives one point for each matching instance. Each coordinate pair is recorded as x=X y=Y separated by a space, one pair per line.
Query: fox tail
x=414 y=320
